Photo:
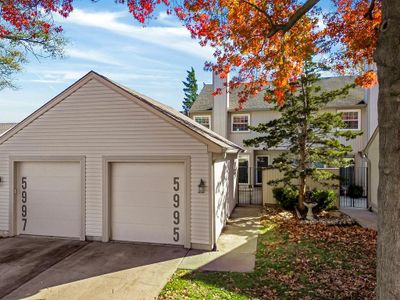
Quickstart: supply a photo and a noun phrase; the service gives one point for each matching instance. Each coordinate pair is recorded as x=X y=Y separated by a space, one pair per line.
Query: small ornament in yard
x=310 y=206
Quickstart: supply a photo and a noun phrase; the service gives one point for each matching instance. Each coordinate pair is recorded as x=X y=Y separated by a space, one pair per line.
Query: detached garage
x=103 y=162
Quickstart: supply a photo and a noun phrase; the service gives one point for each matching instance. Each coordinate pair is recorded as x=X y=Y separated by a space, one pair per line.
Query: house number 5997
x=24 y=208
x=176 y=214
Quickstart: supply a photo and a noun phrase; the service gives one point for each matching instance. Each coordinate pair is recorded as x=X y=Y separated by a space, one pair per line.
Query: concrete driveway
x=41 y=268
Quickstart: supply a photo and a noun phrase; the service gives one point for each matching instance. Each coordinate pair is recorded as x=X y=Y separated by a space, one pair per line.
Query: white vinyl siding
x=225 y=175
x=96 y=121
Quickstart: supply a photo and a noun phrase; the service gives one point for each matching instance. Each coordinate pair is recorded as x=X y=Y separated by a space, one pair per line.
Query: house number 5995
x=24 y=208
x=176 y=214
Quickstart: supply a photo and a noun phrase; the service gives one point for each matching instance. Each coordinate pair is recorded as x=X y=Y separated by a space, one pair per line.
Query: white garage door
x=148 y=202
x=49 y=199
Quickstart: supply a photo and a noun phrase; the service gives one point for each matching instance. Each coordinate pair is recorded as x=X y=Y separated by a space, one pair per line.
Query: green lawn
x=293 y=261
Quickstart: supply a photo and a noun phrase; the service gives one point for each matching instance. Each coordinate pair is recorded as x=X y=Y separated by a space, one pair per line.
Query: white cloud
x=321 y=23
x=173 y=37
x=167 y=19
x=92 y=55
x=51 y=76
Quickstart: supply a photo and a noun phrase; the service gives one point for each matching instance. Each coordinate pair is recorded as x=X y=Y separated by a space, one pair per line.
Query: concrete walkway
x=236 y=247
x=363 y=217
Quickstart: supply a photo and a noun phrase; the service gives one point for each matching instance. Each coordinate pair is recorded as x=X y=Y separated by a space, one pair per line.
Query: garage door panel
x=63 y=197
x=143 y=183
x=143 y=215
x=64 y=228
x=149 y=233
x=160 y=199
x=49 y=198
x=70 y=212
x=142 y=202
x=52 y=183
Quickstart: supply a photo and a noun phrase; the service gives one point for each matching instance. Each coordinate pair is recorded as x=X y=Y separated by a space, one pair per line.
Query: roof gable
x=174 y=117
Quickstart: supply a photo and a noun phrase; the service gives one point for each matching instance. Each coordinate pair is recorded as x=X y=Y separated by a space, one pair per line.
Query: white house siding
x=372 y=99
x=96 y=121
x=225 y=174
x=359 y=142
x=256 y=117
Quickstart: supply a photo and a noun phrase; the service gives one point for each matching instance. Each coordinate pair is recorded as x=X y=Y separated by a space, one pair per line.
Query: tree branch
x=261 y=11
x=369 y=13
x=293 y=19
x=24 y=39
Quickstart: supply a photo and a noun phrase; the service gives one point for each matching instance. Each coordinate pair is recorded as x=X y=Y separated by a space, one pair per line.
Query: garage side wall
x=225 y=174
x=94 y=122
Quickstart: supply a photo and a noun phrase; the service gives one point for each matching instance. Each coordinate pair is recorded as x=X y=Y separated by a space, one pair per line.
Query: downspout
x=364 y=156
x=212 y=197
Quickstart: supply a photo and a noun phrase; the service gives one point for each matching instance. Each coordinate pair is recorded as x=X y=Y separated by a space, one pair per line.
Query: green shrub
x=326 y=199
x=286 y=197
x=355 y=191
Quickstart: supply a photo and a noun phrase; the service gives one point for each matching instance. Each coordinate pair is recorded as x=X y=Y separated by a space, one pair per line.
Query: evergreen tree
x=310 y=134
x=190 y=90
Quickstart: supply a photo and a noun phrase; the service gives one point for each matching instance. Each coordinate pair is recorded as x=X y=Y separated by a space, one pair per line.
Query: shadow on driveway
x=43 y=268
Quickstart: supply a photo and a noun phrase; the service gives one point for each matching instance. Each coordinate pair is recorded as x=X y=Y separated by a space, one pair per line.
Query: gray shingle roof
x=204 y=101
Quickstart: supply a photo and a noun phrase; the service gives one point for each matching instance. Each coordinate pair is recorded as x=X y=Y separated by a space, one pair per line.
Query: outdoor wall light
x=202 y=187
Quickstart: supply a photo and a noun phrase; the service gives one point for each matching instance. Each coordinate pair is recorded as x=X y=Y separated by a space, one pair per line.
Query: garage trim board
x=15 y=160
x=107 y=179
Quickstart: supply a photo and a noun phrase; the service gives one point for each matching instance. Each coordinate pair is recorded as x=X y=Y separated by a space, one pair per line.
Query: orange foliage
x=367 y=80
x=239 y=31
x=249 y=36
x=354 y=27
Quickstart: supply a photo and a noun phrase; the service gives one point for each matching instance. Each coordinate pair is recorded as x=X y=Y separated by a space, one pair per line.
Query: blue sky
x=103 y=37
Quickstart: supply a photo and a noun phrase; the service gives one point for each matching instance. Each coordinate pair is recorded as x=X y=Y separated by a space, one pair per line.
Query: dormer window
x=203 y=120
x=352 y=118
x=240 y=123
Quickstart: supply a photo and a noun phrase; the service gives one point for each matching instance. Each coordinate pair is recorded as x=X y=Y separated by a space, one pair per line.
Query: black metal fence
x=354 y=187
x=250 y=195
x=250 y=185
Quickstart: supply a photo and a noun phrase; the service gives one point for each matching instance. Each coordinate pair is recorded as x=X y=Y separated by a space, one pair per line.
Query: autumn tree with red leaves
x=267 y=42
x=27 y=27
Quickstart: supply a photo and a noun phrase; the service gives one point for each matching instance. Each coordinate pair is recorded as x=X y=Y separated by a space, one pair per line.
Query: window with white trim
x=203 y=120
x=240 y=123
x=244 y=169
x=262 y=162
x=352 y=118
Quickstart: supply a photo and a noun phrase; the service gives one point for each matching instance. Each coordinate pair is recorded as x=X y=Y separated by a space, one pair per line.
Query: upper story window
x=203 y=120
x=352 y=118
x=240 y=123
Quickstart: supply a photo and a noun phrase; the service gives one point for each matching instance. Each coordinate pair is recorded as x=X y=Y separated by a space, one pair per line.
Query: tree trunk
x=387 y=57
x=302 y=192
